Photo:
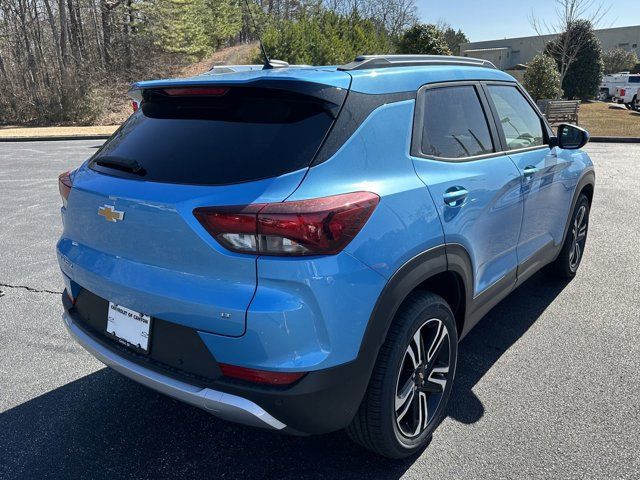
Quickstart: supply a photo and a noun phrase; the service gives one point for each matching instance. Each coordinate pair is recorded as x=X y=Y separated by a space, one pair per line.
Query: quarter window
x=521 y=124
x=455 y=125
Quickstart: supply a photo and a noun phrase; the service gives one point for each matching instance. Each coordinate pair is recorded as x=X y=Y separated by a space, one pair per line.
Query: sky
x=496 y=19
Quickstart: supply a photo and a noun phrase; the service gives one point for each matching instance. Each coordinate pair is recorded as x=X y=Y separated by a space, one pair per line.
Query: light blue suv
x=302 y=248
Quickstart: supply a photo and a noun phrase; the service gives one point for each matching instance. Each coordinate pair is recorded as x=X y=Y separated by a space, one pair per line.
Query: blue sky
x=494 y=19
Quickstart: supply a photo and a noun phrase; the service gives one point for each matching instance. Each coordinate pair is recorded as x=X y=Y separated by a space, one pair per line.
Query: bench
x=560 y=111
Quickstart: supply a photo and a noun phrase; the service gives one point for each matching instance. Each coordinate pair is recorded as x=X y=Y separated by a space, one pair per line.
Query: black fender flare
x=411 y=274
x=588 y=177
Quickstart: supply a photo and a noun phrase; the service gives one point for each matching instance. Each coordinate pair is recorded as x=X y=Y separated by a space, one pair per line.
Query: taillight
x=320 y=226
x=623 y=92
x=64 y=185
x=135 y=106
x=260 y=376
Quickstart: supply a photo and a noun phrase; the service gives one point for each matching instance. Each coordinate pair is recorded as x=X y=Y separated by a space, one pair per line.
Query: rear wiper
x=120 y=163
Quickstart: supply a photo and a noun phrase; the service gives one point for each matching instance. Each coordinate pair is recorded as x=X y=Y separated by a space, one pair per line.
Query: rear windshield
x=230 y=136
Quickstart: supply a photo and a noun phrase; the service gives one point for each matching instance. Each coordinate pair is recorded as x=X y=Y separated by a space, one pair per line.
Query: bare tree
x=393 y=15
x=566 y=48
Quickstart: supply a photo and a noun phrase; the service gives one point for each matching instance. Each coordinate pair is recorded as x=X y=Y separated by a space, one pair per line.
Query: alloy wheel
x=579 y=237
x=423 y=376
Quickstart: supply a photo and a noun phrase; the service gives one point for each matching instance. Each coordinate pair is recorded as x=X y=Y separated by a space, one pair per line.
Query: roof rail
x=367 y=62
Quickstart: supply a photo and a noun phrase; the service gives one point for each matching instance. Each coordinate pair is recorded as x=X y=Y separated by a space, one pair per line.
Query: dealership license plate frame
x=129 y=327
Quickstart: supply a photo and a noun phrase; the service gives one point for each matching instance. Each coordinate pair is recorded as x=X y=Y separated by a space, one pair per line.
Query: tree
x=454 y=38
x=619 y=60
x=423 y=39
x=566 y=48
x=196 y=27
x=319 y=36
x=542 y=79
x=393 y=15
x=582 y=79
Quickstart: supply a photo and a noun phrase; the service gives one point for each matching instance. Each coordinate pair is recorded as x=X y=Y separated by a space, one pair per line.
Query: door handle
x=455 y=196
x=530 y=171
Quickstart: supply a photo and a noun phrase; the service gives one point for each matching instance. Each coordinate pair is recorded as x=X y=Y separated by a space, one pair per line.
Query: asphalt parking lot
x=548 y=383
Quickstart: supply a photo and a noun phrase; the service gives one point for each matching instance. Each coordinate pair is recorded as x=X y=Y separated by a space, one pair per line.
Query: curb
x=54 y=138
x=615 y=139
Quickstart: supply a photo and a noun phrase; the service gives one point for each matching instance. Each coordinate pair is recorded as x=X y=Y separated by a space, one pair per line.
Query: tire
x=390 y=420
x=567 y=263
x=603 y=95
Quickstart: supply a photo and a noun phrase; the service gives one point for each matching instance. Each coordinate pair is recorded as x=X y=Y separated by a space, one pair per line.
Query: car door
x=547 y=186
x=475 y=186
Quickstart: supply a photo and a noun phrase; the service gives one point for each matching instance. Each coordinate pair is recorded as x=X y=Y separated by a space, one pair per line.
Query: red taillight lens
x=623 y=92
x=64 y=185
x=135 y=106
x=188 y=91
x=260 y=376
x=234 y=227
x=320 y=226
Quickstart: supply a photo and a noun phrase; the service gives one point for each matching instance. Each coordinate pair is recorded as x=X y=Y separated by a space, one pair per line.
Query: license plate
x=129 y=327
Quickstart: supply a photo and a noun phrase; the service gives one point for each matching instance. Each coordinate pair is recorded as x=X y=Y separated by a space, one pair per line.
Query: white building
x=508 y=53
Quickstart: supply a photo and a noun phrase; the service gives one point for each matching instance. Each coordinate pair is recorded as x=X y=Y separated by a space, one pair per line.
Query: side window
x=455 y=125
x=521 y=124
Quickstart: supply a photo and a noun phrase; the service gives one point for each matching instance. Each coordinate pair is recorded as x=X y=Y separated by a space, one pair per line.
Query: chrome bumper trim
x=223 y=405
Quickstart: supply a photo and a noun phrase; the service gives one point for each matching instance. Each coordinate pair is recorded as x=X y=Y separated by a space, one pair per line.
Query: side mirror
x=571 y=137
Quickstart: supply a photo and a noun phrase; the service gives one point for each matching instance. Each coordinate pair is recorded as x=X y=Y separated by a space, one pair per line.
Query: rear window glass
x=241 y=135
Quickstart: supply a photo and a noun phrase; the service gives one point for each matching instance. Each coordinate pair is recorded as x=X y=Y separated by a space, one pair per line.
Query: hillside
x=115 y=105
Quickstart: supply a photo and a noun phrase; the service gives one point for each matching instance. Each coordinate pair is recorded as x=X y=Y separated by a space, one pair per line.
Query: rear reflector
x=260 y=376
x=65 y=185
x=187 y=91
x=320 y=226
x=69 y=288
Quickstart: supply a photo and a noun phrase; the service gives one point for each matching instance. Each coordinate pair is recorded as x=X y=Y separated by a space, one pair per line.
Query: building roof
x=495 y=49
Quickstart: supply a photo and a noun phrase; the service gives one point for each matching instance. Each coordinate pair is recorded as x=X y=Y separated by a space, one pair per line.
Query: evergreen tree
x=453 y=39
x=584 y=74
x=423 y=39
x=196 y=27
x=324 y=37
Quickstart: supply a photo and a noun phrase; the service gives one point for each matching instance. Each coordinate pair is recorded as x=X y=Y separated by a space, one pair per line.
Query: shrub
x=423 y=39
x=542 y=79
x=619 y=60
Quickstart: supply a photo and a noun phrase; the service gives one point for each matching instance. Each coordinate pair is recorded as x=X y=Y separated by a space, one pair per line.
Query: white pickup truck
x=628 y=95
x=613 y=84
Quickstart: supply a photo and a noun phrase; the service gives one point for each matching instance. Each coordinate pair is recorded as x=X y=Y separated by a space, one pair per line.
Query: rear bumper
x=322 y=401
x=221 y=404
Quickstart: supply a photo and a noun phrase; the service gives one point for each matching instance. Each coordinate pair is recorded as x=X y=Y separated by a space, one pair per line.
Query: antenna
x=267 y=62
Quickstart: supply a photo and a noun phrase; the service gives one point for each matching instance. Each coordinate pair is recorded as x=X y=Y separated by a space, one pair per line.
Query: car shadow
x=106 y=426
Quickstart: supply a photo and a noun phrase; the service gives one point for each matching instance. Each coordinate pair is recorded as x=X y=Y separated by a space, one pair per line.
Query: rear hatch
x=130 y=235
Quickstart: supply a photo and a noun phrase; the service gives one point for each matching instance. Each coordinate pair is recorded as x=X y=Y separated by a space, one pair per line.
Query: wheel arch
x=428 y=271
x=586 y=184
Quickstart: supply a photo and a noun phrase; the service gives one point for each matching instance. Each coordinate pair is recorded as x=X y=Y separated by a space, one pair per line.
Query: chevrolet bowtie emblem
x=110 y=213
